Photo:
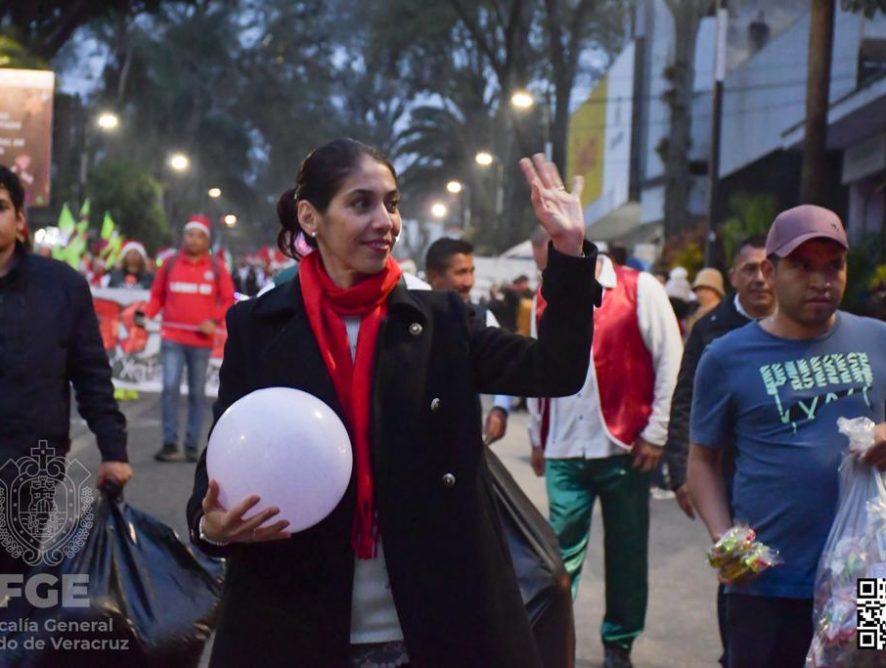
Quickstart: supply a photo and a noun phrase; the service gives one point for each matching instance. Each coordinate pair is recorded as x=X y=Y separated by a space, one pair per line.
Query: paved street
x=681 y=624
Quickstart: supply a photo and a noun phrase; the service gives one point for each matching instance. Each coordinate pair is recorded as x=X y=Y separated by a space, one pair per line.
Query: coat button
x=448 y=480
x=435 y=404
x=415 y=329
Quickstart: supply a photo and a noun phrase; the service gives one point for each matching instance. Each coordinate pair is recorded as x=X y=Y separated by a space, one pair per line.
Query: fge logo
x=45 y=507
x=43 y=590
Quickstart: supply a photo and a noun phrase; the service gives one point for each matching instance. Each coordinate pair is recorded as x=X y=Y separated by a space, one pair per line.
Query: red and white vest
x=622 y=363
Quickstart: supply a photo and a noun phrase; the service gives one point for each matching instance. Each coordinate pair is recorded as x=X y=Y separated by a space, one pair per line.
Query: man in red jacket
x=193 y=290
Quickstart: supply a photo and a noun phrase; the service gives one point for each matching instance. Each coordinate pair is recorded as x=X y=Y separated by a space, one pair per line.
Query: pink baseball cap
x=800 y=224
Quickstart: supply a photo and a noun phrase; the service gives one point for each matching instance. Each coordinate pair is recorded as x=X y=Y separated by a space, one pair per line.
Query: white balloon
x=288 y=447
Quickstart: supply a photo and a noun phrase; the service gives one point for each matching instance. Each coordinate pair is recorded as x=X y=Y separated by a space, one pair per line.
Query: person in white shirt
x=605 y=440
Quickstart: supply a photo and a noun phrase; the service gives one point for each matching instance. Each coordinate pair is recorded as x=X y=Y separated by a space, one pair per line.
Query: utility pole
x=722 y=15
x=818 y=86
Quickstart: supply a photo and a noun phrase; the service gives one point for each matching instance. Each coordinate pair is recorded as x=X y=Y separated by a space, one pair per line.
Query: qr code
x=872 y=613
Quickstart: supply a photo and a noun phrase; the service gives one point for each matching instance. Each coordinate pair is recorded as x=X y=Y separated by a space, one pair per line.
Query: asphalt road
x=681 y=627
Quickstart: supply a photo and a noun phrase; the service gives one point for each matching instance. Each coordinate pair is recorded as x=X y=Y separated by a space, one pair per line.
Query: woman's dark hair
x=320 y=176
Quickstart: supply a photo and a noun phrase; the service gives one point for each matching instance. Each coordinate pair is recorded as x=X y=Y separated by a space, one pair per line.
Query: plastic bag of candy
x=855 y=548
x=738 y=553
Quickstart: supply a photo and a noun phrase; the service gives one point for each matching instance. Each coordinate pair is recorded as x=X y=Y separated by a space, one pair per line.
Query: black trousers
x=764 y=632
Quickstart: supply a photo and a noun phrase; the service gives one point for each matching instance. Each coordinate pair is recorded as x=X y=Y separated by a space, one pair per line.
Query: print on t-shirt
x=829 y=373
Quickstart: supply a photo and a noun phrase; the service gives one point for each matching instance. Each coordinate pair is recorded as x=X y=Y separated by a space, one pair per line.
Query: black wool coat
x=49 y=341
x=713 y=325
x=288 y=602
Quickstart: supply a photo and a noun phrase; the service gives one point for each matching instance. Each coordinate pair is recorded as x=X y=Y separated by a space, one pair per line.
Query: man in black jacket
x=49 y=339
x=753 y=299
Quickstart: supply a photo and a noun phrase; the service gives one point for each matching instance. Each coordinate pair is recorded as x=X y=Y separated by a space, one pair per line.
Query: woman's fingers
x=237 y=512
x=210 y=501
x=253 y=523
x=275 y=531
x=543 y=171
x=530 y=174
x=578 y=184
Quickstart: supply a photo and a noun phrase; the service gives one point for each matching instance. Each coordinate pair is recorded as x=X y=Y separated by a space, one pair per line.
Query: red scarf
x=326 y=304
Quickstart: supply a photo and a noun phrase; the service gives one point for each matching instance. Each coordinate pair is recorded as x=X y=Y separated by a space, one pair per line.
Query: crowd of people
x=738 y=394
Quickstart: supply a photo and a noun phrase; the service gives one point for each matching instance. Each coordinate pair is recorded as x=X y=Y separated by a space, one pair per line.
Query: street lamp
x=230 y=220
x=522 y=99
x=179 y=162
x=214 y=193
x=439 y=210
x=484 y=158
x=454 y=187
x=108 y=121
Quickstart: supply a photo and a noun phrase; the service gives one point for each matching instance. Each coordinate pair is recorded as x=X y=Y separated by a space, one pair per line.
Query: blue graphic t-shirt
x=778 y=400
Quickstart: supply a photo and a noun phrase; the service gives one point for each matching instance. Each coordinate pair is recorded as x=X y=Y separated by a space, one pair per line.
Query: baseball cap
x=800 y=224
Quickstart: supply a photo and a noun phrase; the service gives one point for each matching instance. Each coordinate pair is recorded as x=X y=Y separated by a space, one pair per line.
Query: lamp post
x=486 y=159
x=179 y=164
x=460 y=190
x=107 y=122
x=524 y=100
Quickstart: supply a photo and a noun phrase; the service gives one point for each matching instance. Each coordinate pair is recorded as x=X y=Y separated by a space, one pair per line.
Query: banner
x=134 y=352
x=26 y=129
x=600 y=140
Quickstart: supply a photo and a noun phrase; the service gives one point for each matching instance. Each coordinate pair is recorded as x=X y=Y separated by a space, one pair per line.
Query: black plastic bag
x=544 y=582
x=151 y=600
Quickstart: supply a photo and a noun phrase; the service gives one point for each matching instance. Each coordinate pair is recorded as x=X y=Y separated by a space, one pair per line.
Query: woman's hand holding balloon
x=559 y=212
x=230 y=526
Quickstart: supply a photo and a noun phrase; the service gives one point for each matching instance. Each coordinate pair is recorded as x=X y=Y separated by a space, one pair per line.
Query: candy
x=738 y=554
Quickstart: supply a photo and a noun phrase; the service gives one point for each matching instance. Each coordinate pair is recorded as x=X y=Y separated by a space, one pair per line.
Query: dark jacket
x=49 y=339
x=715 y=324
x=287 y=603
x=118 y=279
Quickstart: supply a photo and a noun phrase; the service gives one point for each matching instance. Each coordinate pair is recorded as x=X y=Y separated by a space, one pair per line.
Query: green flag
x=84 y=210
x=74 y=251
x=111 y=252
x=108 y=227
x=66 y=221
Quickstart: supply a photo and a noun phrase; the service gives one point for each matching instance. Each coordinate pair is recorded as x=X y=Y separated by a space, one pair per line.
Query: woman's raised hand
x=230 y=527
x=558 y=211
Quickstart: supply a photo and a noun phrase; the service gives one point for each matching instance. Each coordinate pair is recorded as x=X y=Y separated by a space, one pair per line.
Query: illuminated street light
x=455 y=187
x=214 y=193
x=179 y=162
x=484 y=158
x=522 y=99
x=230 y=220
x=108 y=121
x=439 y=210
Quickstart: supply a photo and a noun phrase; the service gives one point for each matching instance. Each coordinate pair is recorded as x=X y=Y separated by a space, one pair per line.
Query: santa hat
x=198 y=222
x=134 y=246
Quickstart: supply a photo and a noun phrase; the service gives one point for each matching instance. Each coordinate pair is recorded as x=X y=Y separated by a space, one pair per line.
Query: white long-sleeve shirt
x=576 y=426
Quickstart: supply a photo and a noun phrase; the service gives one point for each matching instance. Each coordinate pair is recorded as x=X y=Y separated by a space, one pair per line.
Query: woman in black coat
x=411 y=568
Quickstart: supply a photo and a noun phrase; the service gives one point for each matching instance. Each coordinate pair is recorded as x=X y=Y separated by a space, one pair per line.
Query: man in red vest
x=193 y=290
x=604 y=441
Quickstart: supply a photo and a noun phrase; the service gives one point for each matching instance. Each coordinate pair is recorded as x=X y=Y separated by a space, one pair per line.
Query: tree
x=687 y=15
x=133 y=197
x=866 y=7
x=571 y=29
x=44 y=26
x=813 y=179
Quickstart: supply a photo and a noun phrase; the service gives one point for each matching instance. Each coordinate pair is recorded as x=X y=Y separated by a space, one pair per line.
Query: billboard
x=600 y=139
x=26 y=129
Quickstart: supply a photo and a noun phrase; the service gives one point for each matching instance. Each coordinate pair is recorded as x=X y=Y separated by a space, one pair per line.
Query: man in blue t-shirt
x=775 y=388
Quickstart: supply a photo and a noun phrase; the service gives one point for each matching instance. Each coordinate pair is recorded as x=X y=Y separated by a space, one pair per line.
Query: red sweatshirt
x=190 y=295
